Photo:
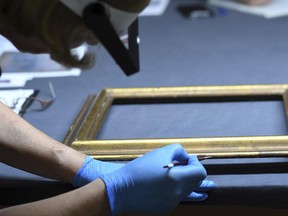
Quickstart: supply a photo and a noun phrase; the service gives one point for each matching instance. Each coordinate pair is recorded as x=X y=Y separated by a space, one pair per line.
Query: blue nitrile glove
x=199 y=193
x=144 y=186
x=92 y=169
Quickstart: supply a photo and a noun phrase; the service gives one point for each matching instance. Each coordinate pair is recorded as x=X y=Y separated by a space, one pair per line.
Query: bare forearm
x=25 y=147
x=88 y=200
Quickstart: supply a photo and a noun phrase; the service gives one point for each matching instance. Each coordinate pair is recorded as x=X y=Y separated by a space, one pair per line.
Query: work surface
x=231 y=49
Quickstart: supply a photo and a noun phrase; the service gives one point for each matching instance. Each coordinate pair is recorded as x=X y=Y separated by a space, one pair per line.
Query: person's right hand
x=144 y=186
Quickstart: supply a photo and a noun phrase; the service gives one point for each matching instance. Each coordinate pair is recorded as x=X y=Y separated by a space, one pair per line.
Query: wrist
x=71 y=161
x=82 y=175
x=111 y=196
x=92 y=169
x=97 y=201
x=116 y=192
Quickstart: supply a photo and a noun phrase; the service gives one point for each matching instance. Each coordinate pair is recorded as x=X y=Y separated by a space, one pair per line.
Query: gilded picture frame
x=83 y=132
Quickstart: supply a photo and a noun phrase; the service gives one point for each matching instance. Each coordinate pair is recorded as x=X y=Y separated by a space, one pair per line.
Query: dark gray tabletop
x=229 y=49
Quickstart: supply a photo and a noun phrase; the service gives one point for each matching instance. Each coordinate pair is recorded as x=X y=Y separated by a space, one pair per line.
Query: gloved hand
x=199 y=193
x=144 y=186
x=92 y=169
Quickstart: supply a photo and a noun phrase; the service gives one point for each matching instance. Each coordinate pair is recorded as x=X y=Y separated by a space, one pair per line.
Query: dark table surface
x=229 y=49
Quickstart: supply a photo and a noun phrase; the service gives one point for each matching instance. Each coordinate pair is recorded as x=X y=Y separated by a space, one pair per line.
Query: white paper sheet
x=17 y=80
x=6 y=46
x=18 y=68
x=276 y=8
x=10 y=97
x=155 y=8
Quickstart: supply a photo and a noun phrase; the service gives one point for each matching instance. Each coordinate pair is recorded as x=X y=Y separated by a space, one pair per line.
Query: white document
x=15 y=98
x=18 y=68
x=276 y=8
x=155 y=8
x=6 y=46
x=16 y=80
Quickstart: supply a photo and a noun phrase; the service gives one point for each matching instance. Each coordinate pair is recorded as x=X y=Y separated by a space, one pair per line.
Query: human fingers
x=206 y=185
x=195 y=197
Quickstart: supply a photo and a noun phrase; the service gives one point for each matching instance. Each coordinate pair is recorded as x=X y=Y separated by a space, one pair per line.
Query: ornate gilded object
x=83 y=132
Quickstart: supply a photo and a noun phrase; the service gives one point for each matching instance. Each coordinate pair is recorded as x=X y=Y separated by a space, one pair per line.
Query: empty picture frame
x=83 y=132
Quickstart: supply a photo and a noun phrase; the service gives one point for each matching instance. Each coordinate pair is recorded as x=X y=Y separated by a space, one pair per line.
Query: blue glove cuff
x=110 y=194
x=92 y=169
x=82 y=176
